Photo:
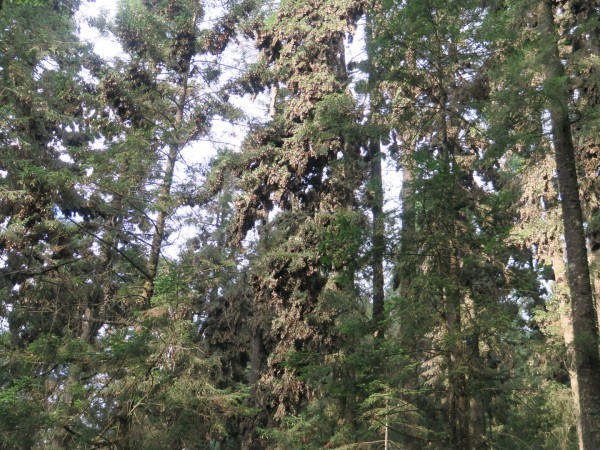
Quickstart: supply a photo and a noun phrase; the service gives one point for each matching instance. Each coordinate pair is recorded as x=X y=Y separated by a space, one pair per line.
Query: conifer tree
x=434 y=64
x=584 y=355
x=305 y=162
x=539 y=31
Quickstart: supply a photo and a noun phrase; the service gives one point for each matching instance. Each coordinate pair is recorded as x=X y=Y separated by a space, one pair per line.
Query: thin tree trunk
x=596 y=281
x=458 y=403
x=407 y=246
x=585 y=357
x=477 y=422
x=449 y=267
x=273 y=101
x=257 y=356
x=378 y=230
x=164 y=210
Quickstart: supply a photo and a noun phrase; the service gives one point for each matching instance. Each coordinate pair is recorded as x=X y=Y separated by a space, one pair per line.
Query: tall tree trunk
x=164 y=209
x=407 y=246
x=376 y=193
x=449 y=267
x=584 y=24
x=585 y=357
x=375 y=188
x=378 y=233
x=458 y=403
x=560 y=291
x=596 y=278
x=477 y=422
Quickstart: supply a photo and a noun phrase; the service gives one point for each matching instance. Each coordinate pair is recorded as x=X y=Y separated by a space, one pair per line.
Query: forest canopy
x=300 y=224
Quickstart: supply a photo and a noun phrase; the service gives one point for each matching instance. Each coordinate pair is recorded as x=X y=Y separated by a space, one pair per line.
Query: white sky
x=103 y=45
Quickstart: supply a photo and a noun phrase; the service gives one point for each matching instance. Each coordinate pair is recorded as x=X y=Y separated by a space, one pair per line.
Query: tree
x=584 y=356
x=540 y=33
x=454 y=284
x=305 y=162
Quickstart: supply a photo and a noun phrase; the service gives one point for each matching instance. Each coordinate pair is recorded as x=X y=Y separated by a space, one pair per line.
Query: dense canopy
x=300 y=224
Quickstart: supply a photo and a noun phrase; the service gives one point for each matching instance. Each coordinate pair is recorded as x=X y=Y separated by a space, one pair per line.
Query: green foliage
x=259 y=333
x=342 y=241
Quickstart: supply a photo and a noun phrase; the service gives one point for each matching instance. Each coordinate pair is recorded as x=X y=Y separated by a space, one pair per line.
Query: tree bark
x=378 y=236
x=477 y=422
x=585 y=357
x=403 y=283
x=458 y=402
